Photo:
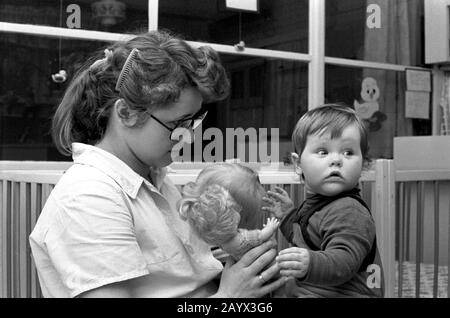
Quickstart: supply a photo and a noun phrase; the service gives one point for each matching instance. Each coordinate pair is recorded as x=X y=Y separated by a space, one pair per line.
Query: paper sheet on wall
x=246 y=5
x=417 y=105
x=417 y=80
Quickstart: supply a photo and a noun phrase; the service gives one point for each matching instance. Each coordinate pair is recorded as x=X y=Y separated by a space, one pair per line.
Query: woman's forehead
x=189 y=102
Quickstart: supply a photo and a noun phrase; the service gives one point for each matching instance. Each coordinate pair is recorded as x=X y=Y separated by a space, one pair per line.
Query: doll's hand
x=293 y=261
x=269 y=229
x=279 y=203
x=272 y=224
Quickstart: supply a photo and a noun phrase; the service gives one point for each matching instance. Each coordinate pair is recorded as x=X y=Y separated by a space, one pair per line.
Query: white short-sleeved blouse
x=103 y=223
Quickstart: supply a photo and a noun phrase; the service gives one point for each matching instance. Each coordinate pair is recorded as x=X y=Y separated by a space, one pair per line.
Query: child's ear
x=295 y=158
x=127 y=116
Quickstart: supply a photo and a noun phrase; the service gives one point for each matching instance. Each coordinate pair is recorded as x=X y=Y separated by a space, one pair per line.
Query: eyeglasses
x=188 y=123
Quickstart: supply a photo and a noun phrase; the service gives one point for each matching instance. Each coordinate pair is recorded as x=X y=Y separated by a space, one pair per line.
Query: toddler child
x=334 y=252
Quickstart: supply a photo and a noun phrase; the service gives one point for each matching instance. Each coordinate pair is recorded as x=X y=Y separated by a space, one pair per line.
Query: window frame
x=315 y=57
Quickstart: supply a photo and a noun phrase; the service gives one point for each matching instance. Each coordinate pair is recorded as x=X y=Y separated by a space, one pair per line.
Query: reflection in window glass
x=266 y=93
x=29 y=95
x=279 y=25
x=391 y=32
x=119 y=16
x=379 y=98
x=237 y=90
x=255 y=75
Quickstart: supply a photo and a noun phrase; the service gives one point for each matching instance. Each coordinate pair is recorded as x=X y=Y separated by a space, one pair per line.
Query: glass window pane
x=265 y=93
x=376 y=30
x=379 y=97
x=279 y=25
x=29 y=96
x=119 y=16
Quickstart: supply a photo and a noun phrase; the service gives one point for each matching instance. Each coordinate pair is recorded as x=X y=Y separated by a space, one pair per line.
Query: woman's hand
x=279 y=203
x=247 y=277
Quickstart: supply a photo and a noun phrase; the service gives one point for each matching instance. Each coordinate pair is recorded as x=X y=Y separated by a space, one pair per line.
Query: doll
x=224 y=206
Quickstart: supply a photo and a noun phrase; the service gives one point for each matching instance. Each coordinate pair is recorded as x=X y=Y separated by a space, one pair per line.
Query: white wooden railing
x=24 y=187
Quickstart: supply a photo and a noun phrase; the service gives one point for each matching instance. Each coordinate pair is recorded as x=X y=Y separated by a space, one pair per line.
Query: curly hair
x=224 y=197
x=215 y=212
x=164 y=66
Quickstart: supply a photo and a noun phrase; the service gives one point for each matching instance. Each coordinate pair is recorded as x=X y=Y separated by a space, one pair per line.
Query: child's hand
x=293 y=261
x=279 y=203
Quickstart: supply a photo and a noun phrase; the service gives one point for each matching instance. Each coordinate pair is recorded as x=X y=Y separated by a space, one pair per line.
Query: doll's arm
x=247 y=239
x=239 y=244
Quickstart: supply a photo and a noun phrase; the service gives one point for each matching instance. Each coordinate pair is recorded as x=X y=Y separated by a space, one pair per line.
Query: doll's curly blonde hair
x=223 y=195
x=214 y=214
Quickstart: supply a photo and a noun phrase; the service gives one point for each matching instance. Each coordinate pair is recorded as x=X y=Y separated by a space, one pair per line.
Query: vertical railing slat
x=384 y=216
x=419 y=232
x=3 y=260
x=418 y=240
x=39 y=206
x=418 y=236
x=436 y=239
x=422 y=224
x=401 y=242
x=8 y=225
x=408 y=220
x=33 y=218
x=15 y=239
x=27 y=243
x=448 y=252
x=22 y=236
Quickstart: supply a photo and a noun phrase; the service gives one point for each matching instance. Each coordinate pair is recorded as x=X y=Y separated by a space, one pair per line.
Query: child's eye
x=348 y=153
x=322 y=152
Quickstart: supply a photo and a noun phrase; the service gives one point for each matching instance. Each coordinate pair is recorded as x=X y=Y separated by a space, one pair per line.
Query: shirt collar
x=115 y=168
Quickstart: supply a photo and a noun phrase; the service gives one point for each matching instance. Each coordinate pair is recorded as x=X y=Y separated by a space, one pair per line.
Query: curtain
x=397 y=41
